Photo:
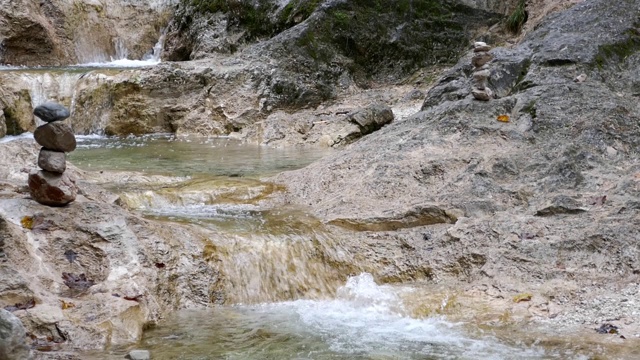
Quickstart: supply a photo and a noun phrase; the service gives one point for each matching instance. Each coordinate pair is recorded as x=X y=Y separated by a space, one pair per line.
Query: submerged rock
x=56 y=136
x=50 y=111
x=54 y=161
x=52 y=189
x=139 y=355
x=13 y=340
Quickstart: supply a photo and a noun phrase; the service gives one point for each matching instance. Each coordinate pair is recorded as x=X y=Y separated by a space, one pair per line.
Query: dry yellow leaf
x=522 y=297
x=503 y=118
x=67 y=305
x=27 y=222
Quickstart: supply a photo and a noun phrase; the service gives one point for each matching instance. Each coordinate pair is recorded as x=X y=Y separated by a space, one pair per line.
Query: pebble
x=50 y=111
x=139 y=355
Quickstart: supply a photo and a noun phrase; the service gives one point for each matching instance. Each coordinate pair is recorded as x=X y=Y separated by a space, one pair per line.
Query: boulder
x=52 y=189
x=13 y=340
x=50 y=111
x=55 y=136
x=371 y=118
x=54 y=161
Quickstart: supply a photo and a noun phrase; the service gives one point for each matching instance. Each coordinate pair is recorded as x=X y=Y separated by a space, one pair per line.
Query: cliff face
x=550 y=195
x=63 y=32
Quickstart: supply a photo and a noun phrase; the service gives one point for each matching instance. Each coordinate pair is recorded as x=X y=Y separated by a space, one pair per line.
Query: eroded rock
x=52 y=189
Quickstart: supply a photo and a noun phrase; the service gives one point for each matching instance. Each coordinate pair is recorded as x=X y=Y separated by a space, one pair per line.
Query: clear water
x=185 y=156
x=363 y=321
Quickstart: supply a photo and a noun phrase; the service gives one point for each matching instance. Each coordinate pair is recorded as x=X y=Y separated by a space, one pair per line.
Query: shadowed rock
x=52 y=189
x=51 y=111
x=56 y=136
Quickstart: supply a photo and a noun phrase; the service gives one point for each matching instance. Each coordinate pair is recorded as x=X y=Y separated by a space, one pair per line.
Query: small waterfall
x=263 y=255
x=51 y=86
x=121 y=49
x=156 y=52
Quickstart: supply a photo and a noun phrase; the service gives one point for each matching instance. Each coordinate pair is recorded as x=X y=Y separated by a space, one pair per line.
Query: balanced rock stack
x=51 y=186
x=481 y=73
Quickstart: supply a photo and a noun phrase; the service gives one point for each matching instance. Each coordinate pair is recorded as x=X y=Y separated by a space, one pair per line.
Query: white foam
x=9 y=138
x=366 y=318
x=121 y=63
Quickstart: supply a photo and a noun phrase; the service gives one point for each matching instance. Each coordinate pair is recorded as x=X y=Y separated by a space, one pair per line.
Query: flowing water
x=285 y=280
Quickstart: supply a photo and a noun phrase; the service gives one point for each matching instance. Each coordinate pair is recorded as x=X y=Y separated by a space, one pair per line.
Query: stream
x=283 y=302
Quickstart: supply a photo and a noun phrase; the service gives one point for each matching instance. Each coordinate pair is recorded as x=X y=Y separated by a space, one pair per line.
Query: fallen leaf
x=522 y=297
x=503 y=118
x=67 y=305
x=27 y=222
x=160 y=265
x=71 y=255
x=607 y=329
x=77 y=282
x=21 y=306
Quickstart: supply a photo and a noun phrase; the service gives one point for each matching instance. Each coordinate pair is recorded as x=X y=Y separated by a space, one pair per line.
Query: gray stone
x=481 y=58
x=482 y=48
x=50 y=111
x=561 y=205
x=13 y=340
x=52 y=189
x=480 y=79
x=139 y=355
x=371 y=118
x=54 y=161
x=56 y=136
x=482 y=94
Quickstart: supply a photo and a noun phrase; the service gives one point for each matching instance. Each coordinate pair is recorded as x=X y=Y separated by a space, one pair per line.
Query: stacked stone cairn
x=51 y=185
x=481 y=73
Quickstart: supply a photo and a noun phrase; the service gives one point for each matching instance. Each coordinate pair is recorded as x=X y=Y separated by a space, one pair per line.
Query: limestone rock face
x=50 y=111
x=56 y=136
x=13 y=340
x=52 y=189
x=61 y=32
x=54 y=161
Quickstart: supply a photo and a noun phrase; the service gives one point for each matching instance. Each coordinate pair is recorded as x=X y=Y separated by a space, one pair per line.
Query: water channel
x=273 y=312
x=284 y=301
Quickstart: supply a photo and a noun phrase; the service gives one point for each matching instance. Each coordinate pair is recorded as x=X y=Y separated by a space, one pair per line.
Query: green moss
x=621 y=50
x=531 y=109
x=518 y=17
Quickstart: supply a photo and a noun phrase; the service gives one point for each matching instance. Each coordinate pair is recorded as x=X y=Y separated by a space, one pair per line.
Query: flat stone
x=482 y=48
x=482 y=94
x=139 y=355
x=56 y=136
x=580 y=78
x=480 y=79
x=52 y=189
x=481 y=58
x=51 y=111
x=54 y=161
x=561 y=204
x=13 y=341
